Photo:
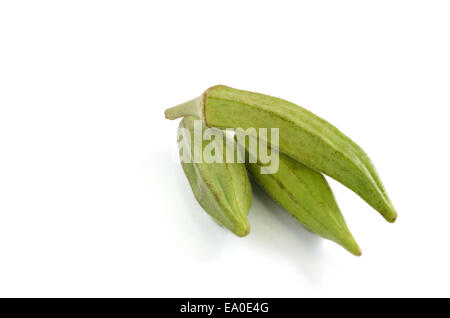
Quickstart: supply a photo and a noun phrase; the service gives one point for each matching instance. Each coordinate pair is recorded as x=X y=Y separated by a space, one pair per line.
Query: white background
x=93 y=201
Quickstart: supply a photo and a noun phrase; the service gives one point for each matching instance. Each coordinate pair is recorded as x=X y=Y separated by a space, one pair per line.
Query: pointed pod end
x=353 y=248
x=349 y=243
x=357 y=252
x=242 y=229
x=391 y=217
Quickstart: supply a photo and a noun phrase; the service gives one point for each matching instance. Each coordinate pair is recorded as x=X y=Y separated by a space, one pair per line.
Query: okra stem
x=190 y=108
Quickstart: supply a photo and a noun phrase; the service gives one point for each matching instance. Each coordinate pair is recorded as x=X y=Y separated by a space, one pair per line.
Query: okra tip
x=391 y=217
x=242 y=229
x=350 y=245
x=347 y=241
x=357 y=252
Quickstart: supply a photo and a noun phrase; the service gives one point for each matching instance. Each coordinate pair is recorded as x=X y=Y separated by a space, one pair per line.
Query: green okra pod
x=222 y=189
x=304 y=193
